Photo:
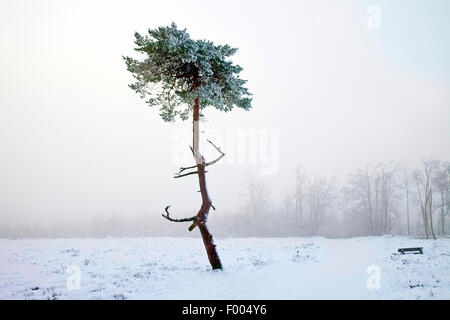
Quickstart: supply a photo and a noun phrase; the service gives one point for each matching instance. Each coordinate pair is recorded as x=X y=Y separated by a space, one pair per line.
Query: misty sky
x=75 y=141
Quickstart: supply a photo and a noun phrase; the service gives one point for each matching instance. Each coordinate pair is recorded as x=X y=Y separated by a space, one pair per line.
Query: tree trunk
x=431 y=216
x=407 y=208
x=405 y=180
x=202 y=215
x=423 y=206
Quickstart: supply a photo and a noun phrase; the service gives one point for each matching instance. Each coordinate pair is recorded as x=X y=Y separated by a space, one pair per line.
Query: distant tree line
x=380 y=199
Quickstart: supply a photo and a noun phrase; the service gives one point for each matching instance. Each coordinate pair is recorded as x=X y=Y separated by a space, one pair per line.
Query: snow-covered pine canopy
x=177 y=69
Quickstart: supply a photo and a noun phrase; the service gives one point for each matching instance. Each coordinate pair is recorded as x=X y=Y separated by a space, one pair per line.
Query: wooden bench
x=418 y=250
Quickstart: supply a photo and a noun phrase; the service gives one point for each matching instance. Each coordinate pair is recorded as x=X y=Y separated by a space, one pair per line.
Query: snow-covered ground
x=255 y=268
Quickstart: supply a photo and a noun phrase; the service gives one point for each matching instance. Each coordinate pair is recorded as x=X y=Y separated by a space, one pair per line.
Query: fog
x=82 y=155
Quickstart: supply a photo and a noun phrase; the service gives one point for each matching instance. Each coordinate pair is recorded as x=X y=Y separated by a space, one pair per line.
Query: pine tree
x=183 y=76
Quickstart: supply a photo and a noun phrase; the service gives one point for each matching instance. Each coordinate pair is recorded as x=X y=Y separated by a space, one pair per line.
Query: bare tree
x=388 y=188
x=441 y=183
x=372 y=194
x=358 y=196
x=320 y=194
x=301 y=180
x=406 y=180
x=424 y=186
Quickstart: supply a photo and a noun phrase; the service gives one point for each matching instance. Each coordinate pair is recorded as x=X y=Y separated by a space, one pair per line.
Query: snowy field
x=255 y=268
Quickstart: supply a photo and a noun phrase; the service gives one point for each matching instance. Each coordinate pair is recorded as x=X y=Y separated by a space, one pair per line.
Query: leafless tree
x=358 y=195
x=320 y=195
x=406 y=180
x=424 y=186
x=386 y=188
x=441 y=183
x=372 y=194
x=301 y=180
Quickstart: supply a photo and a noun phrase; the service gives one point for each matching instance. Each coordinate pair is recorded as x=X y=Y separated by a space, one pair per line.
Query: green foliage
x=177 y=69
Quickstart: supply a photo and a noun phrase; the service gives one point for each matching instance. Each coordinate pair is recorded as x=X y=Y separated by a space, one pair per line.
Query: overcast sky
x=329 y=91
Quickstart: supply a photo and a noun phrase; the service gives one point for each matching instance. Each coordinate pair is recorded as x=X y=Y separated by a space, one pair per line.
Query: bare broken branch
x=206 y=164
x=216 y=147
x=192 y=226
x=220 y=151
x=178 y=175
x=177 y=220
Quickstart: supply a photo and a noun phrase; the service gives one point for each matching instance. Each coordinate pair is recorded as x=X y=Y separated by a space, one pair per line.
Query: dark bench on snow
x=411 y=250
